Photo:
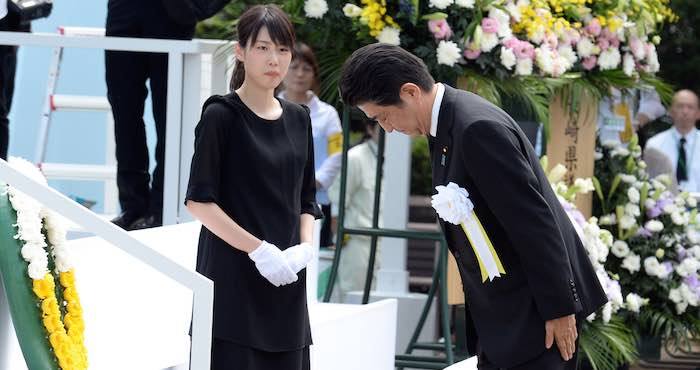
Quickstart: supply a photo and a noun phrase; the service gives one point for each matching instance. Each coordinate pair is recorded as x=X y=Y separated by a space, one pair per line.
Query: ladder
x=56 y=102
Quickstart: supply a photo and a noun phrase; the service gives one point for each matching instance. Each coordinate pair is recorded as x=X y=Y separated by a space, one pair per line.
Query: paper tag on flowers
x=453 y=205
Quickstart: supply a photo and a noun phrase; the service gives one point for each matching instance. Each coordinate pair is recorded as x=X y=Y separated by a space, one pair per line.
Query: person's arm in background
x=330 y=167
x=650 y=107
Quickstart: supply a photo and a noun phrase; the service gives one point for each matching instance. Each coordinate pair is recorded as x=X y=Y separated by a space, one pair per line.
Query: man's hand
x=563 y=331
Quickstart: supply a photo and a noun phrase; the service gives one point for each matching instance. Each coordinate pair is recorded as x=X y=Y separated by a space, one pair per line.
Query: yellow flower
x=67 y=278
x=52 y=323
x=45 y=287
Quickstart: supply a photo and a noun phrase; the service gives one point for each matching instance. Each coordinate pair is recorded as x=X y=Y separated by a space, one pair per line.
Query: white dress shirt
x=3 y=8
x=668 y=143
x=436 y=109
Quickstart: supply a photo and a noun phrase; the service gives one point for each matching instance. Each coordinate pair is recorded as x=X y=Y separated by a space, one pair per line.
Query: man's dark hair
x=376 y=72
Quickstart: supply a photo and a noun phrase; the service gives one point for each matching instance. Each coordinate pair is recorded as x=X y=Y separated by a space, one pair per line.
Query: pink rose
x=637 y=47
x=606 y=33
x=489 y=25
x=615 y=42
x=511 y=42
x=471 y=54
x=593 y=27
x=440 y=29
x=552 y=41
x=589 y=63
x=603 y=43
x=574 y=36
x=524 y=50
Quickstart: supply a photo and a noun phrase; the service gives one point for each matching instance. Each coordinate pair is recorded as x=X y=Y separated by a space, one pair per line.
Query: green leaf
x=598 y=190
x=434 y=16
x=615 y=184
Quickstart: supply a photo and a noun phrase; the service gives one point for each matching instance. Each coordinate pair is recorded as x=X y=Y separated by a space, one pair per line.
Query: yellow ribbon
x=489 y=263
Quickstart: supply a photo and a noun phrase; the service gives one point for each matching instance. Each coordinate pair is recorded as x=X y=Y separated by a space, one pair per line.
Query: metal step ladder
x=72 y=103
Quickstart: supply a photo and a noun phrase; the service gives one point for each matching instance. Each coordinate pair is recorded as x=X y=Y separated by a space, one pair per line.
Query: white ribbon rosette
x=453 y=205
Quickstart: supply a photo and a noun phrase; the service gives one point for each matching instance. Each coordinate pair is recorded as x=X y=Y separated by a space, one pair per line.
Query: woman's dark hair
x=304 y=53
x=250 y=23
x=376 y=72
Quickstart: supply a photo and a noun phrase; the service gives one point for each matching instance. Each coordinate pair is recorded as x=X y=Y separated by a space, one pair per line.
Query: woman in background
x=299 y=86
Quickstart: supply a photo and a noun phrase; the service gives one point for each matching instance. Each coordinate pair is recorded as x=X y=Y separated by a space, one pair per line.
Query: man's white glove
x=272 y=265
x=299 y=256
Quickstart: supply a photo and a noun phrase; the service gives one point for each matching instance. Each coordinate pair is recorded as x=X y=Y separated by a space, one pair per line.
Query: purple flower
x=644 y=232
x=654 y=212
x=682 y=253
x=693 y=283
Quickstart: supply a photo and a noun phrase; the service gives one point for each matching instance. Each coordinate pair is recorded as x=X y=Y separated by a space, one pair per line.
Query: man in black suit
x=528 y=318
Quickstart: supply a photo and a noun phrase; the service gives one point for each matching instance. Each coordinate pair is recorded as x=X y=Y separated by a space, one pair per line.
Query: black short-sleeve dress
x=261 y=173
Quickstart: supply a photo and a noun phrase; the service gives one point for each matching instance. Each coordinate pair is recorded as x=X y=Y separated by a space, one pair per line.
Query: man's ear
x=410 y=91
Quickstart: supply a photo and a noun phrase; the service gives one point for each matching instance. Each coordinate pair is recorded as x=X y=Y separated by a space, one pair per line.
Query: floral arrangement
x=48 y=259
x=606 y=342
x=522 y=49
x=657 y=251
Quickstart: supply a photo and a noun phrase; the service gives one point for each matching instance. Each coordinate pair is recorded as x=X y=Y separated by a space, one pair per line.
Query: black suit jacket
x=548 y=273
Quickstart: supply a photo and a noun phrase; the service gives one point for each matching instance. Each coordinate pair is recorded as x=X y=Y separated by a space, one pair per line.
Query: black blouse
x=261 y=173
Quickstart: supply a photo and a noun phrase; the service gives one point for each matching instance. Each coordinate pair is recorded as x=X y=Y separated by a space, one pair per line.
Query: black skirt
x=226 y=355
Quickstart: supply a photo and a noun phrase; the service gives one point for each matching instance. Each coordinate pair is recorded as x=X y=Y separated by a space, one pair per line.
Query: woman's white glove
x=299 y=256
x=272 y=264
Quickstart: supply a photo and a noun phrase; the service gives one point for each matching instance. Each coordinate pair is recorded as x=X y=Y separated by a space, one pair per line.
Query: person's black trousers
x=126 y=75
x=8 y=67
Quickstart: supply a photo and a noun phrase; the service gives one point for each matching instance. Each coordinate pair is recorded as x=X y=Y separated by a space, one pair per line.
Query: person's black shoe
x=127 y=218
x=147 y=222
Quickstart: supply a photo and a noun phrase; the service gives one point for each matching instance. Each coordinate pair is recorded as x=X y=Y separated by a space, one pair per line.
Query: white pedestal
x=410 y=306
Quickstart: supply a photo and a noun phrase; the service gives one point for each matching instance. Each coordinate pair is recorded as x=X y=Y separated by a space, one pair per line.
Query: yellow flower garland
x=68 y=345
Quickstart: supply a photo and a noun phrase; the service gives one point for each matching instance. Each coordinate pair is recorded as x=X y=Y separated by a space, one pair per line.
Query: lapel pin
x=444 y=156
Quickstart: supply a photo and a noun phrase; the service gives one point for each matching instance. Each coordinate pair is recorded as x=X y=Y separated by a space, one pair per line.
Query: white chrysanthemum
x=584 y=185
x=37 y=269
x=692 y=202
x=448 y=53
x=679 y=219
x=609 y=59
x=315 y=8
x=627 y=222
x=687 y=267
x=607 y=312
x=620 y=249
x=586 y=48
x=694 y=251
x=633 y=195
x=352 y=10
x=632 y=263
x=544 y=59
x=524 y=67
x=389 y=35
x=681 y=307
x=514 y=11
x=628 y=64
x=557 y=173
x=651 y=266
x=634 y=302
x=610 y=219
x=469 y=4
x=670 y=209
x=628 y=179
x=632 y=210
x=452 y=203
x=568 y=53
x=488 y=42
x=507 y=57
x=441 y=4
x=654 y=226
x=675 y=295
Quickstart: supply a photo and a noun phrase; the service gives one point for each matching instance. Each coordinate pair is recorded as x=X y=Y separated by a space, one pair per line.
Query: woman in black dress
x=252 y=187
